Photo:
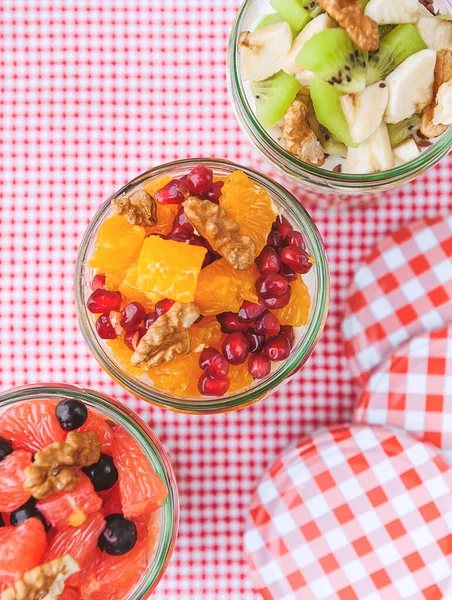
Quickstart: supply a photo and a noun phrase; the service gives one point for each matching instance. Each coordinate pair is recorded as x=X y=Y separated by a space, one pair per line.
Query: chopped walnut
x=363 y=31
x=167 y=337
x=45 y=582
x=222 y=233
x=443 y=74
x=55 y=467
x=300 y=139
x=139 y=209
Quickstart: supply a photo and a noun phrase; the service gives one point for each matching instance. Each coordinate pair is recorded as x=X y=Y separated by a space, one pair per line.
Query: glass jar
x=149 y=444
x=317 y=280
x=315 y=179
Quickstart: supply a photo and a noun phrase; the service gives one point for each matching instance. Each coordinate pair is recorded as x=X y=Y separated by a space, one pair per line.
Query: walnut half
x=139 y=209
x=363 y=31
x=299 y=137
x=443 y=75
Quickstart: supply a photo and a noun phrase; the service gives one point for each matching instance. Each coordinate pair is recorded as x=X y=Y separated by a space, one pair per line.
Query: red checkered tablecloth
x=92 y=93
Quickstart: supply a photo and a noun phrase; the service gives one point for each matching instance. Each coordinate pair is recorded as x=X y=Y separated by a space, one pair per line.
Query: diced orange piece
x=240 y=377
x=169 y=269
x=156 y=184
x=123 y=355
x=250 y=206
x=129 y=289
x=205 y=333
x=296 y=313
x=165 y=212
x=179 y=376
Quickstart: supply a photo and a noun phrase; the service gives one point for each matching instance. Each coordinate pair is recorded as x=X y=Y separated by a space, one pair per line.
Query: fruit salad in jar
x=354 y=86
x=80 y=503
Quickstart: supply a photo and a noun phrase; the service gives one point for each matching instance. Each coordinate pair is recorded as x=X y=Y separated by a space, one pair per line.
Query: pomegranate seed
x=163 y=307
x=277 y=348
x=275 y=239
x=230 y=322
x=213 y=362
x=132 y=337
x=268 y=261
x=283 y=226
x=236 y=348
x=209 y=258
x=103 y=301
x=288 y=331
x=256 y=341
x=213 y=386
x=273 y=285
x=133 y=314
x=200 y=180
x=150 y=319
x=288 y=272
x=259 y=366
x=280 y=302
x=98 y=282
x=179 y=236
x=294 y=239
x=181 y=223
x=105 y=329
x=174 y=192
x=197 y=240
x=297 y=259
x=214 y=194
x=250 y=310
x=267 y=324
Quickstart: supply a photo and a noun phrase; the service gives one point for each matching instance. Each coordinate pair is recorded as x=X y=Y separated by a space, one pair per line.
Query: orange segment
x=180 y=376
x=129 y=288
x=165 y=212
x=156 y=184
x=123 y=355
x=205 y=333
x=250 y=206
x=240 y=377
x=296 y=313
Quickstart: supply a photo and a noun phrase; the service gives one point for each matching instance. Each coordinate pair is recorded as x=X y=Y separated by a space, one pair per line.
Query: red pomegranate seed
x=236 y=348
x=230 y=322
x=288 y=272
x=294 y=239
x=280 y=302
x=98 y=282
x=179 y=236
x=277 y=348
x=105 y=328
x=275 y=239
x=103 y=301
x=209 y=258
x=213 y=362
x=132 y=337
x=271 y=286
x=288 y=331
x=268 y=261
x=214 y=194
x=256 y=341
x=163 y=307
x=133 y=314
x=181 y=223
x=283 y=226
x=250 y=310
x=297 y=259
x=213 y=386
x=267 y=324
x=259 y=366
x=197 y=240
x=174 y=192
x=150 y=319
x=200 y=180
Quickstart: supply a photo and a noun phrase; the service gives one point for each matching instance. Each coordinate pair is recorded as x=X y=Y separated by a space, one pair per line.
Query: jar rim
x=239 y=399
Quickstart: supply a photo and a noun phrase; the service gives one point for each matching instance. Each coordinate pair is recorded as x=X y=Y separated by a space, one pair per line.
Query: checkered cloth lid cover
x=351 y=513
x=403 y=289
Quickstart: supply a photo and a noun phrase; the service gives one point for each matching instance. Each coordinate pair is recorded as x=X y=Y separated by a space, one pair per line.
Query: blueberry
x=103 y=474
x=2 y=522
x=5 y=448
x=71 y=414
x=119 y=535
x=25 y=512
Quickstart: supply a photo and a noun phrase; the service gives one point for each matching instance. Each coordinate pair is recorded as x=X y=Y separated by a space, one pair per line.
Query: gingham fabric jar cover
x=353 y=513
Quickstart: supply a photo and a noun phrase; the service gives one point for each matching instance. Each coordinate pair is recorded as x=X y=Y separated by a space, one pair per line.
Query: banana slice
x=436 y=33
x=364 y=111
x=373 y=155
x=443 y=109
x=410 y=86
x=392 y=12
x=406 y=152
x=314 y=27
x=264 y=52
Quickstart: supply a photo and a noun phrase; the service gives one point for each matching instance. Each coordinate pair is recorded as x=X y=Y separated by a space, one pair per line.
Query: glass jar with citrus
x=201 y=286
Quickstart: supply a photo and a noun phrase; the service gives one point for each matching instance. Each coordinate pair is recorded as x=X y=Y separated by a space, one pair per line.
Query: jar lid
x=412 y=390
x=403 y=289
x=352 y=513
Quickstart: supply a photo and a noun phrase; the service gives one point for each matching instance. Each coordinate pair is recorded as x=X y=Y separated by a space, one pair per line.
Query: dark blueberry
x=2 y=522
x=103 y=474
x=119 y=535
x=71 y=414
x=5 y=448
x=25 y=512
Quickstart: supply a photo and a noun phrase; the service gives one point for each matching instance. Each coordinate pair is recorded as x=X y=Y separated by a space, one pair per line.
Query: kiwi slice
x=313 y=8
x=330 y=143
x=272 y=19
x=327 y=106
x=332 y=56
x=363 y=3
x=397 y=46
x=273 y=97
x=446 y=17
x=293 y=12
x=399 y=132
x=383 y=30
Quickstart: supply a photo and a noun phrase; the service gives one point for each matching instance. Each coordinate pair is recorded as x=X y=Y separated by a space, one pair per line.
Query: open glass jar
x=317 y=282
x=316 y=179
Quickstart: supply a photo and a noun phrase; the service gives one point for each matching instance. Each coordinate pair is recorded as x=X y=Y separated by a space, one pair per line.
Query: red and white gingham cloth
x=412 y=390
x=402 y=289
x=92 y=93
x=353 y=513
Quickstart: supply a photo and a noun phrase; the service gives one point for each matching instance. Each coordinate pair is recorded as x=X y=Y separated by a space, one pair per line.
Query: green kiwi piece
x=399 y=132
x=273 y=97
x=397 y=46
x=272 y=19
x=330 y=143
x=446 y=17
x=293 y=12
x=327 y=106
x=332 y=56
x=363 y=3
x=313 y=8
x=383 y=30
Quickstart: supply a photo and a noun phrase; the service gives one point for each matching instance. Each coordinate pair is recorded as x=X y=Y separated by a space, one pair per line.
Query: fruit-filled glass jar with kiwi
x=345 y=96
x=201 y=286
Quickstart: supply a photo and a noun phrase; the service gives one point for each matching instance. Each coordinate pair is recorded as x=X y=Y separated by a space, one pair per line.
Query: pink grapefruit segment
x=12 y=493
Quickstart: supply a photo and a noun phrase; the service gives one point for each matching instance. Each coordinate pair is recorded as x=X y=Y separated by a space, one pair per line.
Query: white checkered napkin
x=402 y=289
x=353 y=513
x=412 y=390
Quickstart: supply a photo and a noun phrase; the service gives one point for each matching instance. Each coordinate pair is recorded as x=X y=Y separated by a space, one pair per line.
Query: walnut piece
x=222 y=233
x=443 y=74
x=363 y=31
x=45 y=582
x=300 y=139
x=167 y=337
x=55 y=467
x=139 y=209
